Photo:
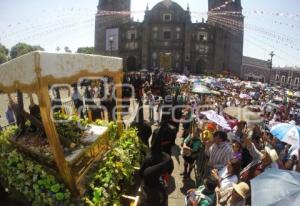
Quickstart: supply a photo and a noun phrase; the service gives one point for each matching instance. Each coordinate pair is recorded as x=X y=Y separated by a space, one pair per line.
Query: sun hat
x=242 y=189
x=272 y=154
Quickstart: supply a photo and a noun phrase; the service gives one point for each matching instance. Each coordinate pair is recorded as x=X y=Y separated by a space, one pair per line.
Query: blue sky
x=53 y=23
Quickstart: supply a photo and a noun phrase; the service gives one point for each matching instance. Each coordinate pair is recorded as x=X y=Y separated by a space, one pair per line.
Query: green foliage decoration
x=27 y=179
x=116 y=171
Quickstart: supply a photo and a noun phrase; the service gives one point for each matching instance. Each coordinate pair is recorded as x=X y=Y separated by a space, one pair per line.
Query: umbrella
x=225 y=91
x=215 y=92
x=208 y=80
x=195 y=80
x=183 y=77
x=243 y=114
x=248 y=86
x=276 y=187
x=200 y=89
x=287 y=133
x=245 y=96
x=297 y=94
x=218 y=119
x=144 y=70
x=181 y=81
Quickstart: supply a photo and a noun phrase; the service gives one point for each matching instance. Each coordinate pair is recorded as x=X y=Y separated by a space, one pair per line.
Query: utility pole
x=272 y=54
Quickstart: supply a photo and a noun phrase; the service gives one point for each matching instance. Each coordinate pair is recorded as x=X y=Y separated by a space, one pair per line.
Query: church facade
x=168 y=39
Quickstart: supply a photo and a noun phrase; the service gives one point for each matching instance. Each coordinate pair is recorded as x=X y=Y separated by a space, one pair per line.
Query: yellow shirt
x=206 y=135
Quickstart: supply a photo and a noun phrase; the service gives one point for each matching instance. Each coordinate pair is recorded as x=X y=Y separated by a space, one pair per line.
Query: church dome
x=177 y=13
x=167 y=4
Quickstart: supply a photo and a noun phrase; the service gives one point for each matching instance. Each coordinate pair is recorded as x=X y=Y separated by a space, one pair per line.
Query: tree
x=86 y=50
x=3 y=49
x=22 y=48
x=67 y=50
x=38 y=48
x=3 y=54
x=3 y=58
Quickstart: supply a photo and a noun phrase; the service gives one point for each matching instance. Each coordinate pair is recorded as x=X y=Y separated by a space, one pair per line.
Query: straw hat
x=272 y=154
x=242 y=189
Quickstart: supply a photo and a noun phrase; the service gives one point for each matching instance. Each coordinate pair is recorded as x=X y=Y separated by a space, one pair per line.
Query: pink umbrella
x=245 y=96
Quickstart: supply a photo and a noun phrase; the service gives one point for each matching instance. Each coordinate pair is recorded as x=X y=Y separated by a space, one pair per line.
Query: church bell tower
x=111 y=14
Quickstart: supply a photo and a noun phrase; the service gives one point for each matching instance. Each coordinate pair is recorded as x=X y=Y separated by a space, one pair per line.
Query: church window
x=296 y=81
x=167 y=17
x=167 y=35
x=132 y=36
x=283 y=79
x=289 y=80
x=277 y=77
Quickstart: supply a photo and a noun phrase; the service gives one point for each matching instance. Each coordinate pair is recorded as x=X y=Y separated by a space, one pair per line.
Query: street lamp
x=111 y=41
x=272 y=54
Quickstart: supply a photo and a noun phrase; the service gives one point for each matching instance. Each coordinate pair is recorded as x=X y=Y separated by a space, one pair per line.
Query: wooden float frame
x=40 y=87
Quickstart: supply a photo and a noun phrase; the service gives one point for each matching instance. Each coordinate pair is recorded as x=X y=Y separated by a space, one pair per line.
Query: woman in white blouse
x=229 y=174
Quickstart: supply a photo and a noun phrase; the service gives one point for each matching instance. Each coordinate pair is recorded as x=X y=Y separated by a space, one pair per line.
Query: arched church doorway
x=131 y=63
x=200 y=66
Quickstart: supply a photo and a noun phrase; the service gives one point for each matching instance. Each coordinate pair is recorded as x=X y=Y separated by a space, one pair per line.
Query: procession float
x=52 y=156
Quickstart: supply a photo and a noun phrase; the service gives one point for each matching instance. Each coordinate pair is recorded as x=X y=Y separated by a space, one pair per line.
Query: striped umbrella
x=287 y=133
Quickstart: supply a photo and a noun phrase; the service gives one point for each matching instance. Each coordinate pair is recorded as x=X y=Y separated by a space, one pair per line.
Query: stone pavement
x=177 y=186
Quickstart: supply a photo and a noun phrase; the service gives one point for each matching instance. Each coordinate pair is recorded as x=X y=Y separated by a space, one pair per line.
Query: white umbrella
x=297 y=94
x=218 y=119
x=181 y=81
x=200 y=89
x=248 y=86
x=276 y=187
x=183 y=77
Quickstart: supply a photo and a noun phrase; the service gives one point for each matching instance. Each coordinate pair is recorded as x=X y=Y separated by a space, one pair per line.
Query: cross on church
x=167 y=3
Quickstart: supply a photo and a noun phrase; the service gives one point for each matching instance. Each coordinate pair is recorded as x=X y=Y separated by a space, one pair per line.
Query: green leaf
x=60 y=196
x=55 y=188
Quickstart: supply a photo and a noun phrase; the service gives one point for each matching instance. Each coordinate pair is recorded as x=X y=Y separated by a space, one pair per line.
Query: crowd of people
x=225 y=159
